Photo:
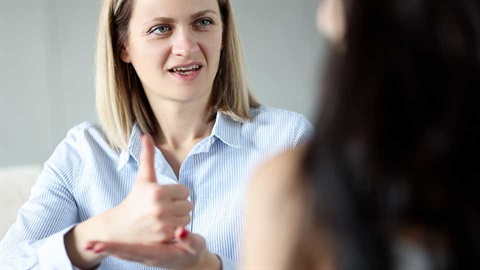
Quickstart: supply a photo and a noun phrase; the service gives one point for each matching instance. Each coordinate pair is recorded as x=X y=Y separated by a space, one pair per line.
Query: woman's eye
x=204 y=22
x=160 y=30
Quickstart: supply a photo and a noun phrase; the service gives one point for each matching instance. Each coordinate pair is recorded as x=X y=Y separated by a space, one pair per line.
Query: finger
x=167 y=229
x=181 y=207
x=192 y=243
x=89 y=245
x=118 y=248
x=98 y=247
x=177 y=191
x=148 y=254
x=146 y=171
x=182 y=221
x=124 y=251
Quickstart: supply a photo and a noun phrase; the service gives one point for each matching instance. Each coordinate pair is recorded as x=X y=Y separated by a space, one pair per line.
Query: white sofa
x=15 y=184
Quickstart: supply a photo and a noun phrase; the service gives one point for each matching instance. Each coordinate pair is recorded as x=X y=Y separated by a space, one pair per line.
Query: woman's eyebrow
x=170 y=20
x=160 y=19
x=203 y=12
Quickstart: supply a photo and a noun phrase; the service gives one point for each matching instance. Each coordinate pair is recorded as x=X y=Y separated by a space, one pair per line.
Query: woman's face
x=331 y=20
x=175 y=47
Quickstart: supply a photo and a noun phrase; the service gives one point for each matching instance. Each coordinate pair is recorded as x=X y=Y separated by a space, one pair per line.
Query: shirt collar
x=134 y=147
x=225 y=129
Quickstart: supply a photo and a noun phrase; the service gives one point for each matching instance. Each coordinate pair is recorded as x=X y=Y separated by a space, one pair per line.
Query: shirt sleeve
x=304 y=131
x=36 y=238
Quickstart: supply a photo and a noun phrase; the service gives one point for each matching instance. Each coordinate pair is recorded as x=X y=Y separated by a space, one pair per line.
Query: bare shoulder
x=282 y=169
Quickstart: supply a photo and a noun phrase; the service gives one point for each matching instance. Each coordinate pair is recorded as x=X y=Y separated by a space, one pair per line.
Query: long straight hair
x=399 y=133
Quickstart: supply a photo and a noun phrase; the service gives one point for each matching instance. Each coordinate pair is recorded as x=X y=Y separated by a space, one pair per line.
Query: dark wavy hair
x=398 y=136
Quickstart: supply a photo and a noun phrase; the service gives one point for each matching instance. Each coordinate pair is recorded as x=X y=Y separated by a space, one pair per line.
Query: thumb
x=192 y=243
x=146 y=171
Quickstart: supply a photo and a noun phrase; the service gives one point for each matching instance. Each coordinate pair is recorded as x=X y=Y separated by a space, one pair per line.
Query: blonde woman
x=163 y=177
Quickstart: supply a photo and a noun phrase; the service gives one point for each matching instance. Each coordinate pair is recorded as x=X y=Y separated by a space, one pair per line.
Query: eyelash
x=210 y=22
x=154 y=29
x=196 y=23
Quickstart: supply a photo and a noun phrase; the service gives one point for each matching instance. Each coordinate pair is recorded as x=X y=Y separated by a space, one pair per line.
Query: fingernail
x=183 y=234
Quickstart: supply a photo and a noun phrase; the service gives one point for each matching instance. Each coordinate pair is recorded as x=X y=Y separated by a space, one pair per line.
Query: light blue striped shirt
x=85 y=176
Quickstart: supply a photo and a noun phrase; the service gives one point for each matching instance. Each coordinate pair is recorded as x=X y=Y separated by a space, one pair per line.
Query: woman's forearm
x=78 y=237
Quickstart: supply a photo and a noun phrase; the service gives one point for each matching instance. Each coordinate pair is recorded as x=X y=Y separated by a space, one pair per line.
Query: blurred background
x=47 y=74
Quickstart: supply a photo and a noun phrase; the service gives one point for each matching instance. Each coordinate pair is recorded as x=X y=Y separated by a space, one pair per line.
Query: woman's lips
x=186 y=74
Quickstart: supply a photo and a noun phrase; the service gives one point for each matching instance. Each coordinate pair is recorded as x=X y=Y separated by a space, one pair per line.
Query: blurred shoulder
x=280 y=174
x=275 y=198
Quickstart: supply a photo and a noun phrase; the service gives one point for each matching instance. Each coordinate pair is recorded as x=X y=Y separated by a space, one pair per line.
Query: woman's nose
x=184 y=43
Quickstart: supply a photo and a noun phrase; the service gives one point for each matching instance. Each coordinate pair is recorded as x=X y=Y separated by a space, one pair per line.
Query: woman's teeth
x=186 y=70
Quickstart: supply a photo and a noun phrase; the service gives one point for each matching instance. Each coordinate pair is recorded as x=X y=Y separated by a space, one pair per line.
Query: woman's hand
x=187 y=252
x=149 y=215
x=151 y=212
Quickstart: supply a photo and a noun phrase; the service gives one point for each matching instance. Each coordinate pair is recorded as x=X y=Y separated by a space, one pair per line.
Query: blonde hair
x=121 y=100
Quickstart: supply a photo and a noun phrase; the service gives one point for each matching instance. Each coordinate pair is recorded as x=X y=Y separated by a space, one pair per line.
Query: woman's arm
x=47 y=233
x=149 y=215
x=36 y=238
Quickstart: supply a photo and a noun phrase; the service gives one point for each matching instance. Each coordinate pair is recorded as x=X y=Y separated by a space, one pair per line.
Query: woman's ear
x=125 y=56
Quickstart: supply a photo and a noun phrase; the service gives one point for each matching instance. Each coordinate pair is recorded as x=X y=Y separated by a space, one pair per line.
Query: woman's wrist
x=77 y=238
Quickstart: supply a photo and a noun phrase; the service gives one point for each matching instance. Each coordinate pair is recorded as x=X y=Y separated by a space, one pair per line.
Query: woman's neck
x=182 y=125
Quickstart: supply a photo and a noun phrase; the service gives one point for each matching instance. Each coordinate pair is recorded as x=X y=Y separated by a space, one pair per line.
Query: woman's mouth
x=185 y=70
x=186 y=73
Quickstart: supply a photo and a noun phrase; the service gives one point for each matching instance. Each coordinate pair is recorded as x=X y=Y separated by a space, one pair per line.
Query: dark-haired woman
x=391 y=180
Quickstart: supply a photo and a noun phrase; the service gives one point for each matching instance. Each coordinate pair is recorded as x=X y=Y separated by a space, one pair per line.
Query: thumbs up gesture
x=151 y=212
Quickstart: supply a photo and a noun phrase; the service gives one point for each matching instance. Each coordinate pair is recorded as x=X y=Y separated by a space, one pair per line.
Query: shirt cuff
x=51 y=253
x=227 y=263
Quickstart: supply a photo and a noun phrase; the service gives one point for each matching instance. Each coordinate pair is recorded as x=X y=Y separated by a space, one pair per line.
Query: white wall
x=282 y=50
x=47 y=75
